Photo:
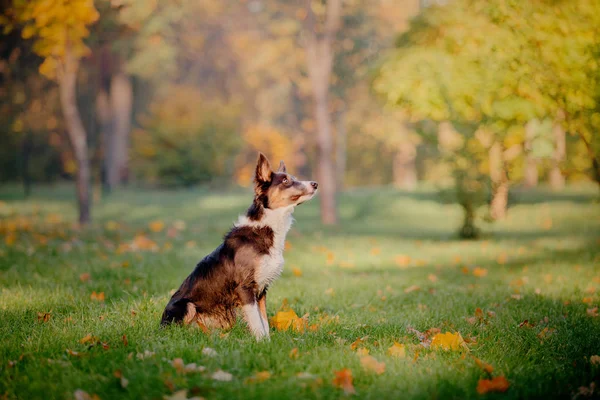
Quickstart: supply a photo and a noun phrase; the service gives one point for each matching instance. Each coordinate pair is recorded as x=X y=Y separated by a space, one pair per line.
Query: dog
x=238 y=273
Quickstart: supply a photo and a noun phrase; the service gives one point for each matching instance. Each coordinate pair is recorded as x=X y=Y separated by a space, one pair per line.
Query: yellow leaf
x=283 y=320
x=498 y=384
x=370 y=364
x=397 y=350
x=449 y=341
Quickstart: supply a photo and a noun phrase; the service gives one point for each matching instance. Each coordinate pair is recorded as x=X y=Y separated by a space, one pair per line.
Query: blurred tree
x=319 y=39
x=58 y=28
x=186 y=139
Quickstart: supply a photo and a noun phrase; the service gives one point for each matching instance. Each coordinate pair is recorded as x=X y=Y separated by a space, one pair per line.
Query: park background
x=457 y=150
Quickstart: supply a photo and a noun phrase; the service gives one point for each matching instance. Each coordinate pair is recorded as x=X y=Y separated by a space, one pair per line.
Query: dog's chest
x=270 y=265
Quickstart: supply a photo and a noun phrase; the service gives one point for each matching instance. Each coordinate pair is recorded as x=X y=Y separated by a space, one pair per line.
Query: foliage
x=186 y=140
x=56 y=26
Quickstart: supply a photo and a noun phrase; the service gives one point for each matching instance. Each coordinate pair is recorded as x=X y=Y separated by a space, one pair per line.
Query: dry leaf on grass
x=222 y=376
x=83 y=395
x=498 y=384
x=258 y=377
x=411 y=289
x=44 y=316
x=284 y=320
x=370 y=364
x=483 y=365
x=592 y=312
x=296 y=271
x=397 y=350
x=181 y=395
x=343 y=380
x=449 y=341
x=480 y=272
x=294 y=353
x=97 y=296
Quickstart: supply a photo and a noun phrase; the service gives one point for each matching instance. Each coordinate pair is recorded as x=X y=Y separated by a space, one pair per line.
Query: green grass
x=541 y=263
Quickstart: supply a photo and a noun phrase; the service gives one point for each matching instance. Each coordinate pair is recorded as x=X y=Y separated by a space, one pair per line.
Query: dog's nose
x=314 y=184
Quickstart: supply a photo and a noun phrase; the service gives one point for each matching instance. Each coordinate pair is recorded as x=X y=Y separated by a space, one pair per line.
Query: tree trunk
x=500 y=184
x=405 y=167
x=340 y=149
x=557 y=179
x=103 y=113
x=121 y=98
x=27 y=145
x=468 y=230
x=531 y=176
x=319 y=56
x=67 y=83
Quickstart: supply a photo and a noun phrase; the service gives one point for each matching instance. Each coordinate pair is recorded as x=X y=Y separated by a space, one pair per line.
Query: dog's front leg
x=262 y=306
x=252 y=314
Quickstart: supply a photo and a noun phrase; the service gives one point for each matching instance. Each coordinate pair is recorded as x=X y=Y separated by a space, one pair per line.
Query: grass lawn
x=393 y=264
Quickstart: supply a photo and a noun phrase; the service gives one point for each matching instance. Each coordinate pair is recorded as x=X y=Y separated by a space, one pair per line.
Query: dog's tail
x=181 y=311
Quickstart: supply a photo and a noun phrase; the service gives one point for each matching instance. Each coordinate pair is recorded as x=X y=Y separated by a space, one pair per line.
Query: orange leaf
x=97 y=296
x=156 y=226
x=402 y=260
x=343 y=380
x=592 y=312
x=412 y=288
x=296 y=271
x=397 y=350
x=294 y=353
x=480 y=272
x=259 y=377
x=370 y=364
x=484 y=366
x=283 y=320
x=358 y=342
x=44 y=316
x=498 y=384
x=84 y=277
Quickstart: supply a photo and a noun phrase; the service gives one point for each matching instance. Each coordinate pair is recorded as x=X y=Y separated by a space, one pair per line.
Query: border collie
x=239 y=271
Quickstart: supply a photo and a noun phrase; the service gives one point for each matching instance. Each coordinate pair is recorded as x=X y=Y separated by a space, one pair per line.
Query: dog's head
x=276 y=189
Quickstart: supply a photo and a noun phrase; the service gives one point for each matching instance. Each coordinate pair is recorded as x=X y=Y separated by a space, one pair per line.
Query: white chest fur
x=271 y=265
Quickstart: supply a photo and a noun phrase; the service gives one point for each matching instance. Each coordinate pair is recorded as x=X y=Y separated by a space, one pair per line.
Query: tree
x=58 y=28
x=319 y=57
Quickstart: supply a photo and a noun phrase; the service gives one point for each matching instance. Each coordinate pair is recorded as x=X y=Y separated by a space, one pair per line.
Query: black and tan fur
x=239 y=272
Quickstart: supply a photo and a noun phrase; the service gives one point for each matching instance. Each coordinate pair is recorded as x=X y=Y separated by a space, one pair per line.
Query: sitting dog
x=239 y=271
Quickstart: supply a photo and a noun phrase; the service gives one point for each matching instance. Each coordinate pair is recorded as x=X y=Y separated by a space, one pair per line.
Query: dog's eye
x=285 y=181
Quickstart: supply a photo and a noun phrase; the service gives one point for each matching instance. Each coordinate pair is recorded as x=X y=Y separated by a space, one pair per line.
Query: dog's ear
x=282 y=167
x=263 y=169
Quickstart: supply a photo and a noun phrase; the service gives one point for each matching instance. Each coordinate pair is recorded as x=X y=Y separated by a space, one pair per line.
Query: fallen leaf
x=358 y=342
x=85 y=277
x=259 y=377
x=88 y=338
x=375 y=251
x=156 y=226
x=125 y=341
x=449 y=341
x=330 y=292
x=526 y=324
x=480 y=272
x=595 y=360
x=484 y=366
x=498 y=384
x=343 y=380
x=397 y=350
x=222 y=376
x=592 y=312
x=97 y=296
x=83 y=395
x=73 y=353
x=181 y=395
x=285 y=320
x=588 y=300
x=370 y=364
x=433 y=278
x=207 y=351
x=412 y=288
x=546 y=332
x=296 y=271
x=402 y=260
x=294 y=354
x=362 y=351
x=44 y=316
